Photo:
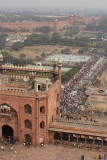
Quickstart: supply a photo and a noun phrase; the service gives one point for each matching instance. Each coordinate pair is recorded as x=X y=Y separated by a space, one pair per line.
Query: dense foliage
x=72 y=31
x=2 y=40
x=17 y=46
x=82 y=51
x=8 y=58
x=44 y=29
x=65 y=51
x=24 y=30
x=66 y=76
x=91 y=27
x=41 y=39
x=4 y=30
x=102 y=26
x=36 y=39
x=57 y=39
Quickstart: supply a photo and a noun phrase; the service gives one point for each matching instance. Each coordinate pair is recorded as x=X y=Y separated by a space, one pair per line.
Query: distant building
x=57 y=25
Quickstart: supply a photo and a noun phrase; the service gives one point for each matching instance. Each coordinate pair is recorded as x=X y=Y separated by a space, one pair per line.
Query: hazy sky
x=102 y=4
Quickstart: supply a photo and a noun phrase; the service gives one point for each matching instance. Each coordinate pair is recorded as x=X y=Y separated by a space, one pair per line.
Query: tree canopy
x=2 y=40
x=44 y=29
x=66 y=76
x=17 y=46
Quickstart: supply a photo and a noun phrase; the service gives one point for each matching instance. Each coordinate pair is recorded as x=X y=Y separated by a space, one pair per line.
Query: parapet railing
x=17 y=92
x=79 y=122
x=26 y=68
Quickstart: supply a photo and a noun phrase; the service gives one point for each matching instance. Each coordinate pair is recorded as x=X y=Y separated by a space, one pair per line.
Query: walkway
x=50 y=152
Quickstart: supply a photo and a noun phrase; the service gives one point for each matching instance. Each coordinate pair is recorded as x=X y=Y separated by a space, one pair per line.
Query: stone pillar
x=1 y=133
x=51 y=137
x=102 y=139
x=69 y=136
x=85 y=140
x=93 y=141
x=61 y=137
x=77 y=138
x=47 y=80
x=36 y=85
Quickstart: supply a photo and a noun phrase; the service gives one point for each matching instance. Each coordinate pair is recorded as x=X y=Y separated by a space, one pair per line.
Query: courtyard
x=49 y=152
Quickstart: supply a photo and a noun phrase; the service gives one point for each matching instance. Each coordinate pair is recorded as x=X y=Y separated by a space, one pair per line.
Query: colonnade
x=77 y=139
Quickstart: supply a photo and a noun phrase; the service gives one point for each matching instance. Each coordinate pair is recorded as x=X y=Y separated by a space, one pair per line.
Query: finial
x=59 y=63
x=54 y=60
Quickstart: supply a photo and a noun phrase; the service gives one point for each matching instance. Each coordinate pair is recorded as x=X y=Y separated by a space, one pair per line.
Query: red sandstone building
x=30 y=108
x=57 y=25
x=29 y=101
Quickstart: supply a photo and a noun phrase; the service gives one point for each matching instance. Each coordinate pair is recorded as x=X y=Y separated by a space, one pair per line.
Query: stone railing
x=20 y=68
x=17 y=92
x=79 y=122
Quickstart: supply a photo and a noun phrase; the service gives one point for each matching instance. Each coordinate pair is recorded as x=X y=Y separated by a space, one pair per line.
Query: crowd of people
x=73 y=97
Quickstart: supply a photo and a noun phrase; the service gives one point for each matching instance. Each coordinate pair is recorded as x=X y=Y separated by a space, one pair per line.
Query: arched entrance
x=7 y=131
x=28 y=138
x=57 y=136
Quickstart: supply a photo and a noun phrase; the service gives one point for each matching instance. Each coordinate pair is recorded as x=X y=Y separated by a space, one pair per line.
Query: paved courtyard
x=49 y=152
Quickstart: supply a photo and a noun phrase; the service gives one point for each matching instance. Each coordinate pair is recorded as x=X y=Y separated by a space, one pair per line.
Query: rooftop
x=86 y=125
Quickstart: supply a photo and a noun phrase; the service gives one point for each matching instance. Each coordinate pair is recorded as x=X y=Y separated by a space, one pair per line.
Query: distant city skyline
x=94 y=4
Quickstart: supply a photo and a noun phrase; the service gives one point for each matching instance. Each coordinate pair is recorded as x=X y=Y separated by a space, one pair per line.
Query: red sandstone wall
x=17 y=103
x=57 y=25
x=51 y=102
x=54 y=102
x=27 y=25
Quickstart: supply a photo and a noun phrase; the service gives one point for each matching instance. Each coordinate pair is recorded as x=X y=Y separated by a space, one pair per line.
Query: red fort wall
x=57 y=25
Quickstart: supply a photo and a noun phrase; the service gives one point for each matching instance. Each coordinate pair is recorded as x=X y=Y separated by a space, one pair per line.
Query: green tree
x=44 y=29
x=55 y=38
x=82 y=51
x=68 y=75
x=17 y=46
x=24 y=30
x=72 y=31
x=2 y=40
x=43 y=54
x=65 y=51
x=90 y=27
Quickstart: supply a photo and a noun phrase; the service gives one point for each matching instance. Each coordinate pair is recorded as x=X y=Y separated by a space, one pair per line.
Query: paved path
x=49 y=152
